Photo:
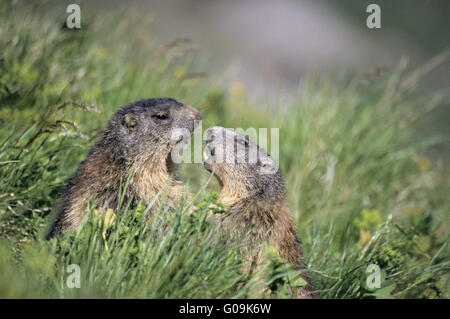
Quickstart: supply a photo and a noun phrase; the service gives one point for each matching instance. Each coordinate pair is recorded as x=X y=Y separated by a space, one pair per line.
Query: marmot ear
x=130 y=121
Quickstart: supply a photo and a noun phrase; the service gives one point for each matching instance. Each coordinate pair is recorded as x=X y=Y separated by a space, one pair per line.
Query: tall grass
x=361 y=187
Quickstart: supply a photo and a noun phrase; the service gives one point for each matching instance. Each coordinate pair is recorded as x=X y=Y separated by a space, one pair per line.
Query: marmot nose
x=193 y=111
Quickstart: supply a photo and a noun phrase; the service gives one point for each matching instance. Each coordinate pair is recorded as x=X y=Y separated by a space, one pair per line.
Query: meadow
x=361 y=184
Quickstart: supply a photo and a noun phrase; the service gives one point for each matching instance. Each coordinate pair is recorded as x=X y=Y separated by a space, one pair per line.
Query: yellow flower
x=414 y=211
x=424 y=163
x=102 y=53
x=370 y=218
x=366 y=236
x=179 y=72
x=238 y=90
x=106 y=220
x=107 y=217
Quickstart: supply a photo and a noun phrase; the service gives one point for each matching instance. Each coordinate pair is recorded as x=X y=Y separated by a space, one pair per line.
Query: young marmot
x=253 y=193
x=136 y=144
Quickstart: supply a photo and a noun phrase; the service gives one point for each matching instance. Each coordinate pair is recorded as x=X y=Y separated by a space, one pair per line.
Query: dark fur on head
x=143 y=130
x=139 y=135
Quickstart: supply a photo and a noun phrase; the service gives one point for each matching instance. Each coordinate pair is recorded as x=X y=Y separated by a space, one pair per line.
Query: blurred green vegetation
x=359 y=184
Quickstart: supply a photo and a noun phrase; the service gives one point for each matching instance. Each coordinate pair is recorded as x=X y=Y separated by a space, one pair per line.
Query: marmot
x=254 y=195
x=137 y=143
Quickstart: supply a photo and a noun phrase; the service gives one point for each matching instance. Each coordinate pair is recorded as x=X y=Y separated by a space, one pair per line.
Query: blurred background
x=269 y=47
x=276 y=43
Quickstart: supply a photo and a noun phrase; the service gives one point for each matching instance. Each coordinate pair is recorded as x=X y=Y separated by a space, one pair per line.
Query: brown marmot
x=136 y=144
x=254 y=195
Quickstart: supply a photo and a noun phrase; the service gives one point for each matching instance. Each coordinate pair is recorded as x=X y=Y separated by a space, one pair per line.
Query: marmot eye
x=243 y=142
x=160 y=116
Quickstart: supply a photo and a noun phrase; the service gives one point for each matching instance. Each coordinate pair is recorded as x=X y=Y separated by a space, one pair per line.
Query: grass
x=360 y=184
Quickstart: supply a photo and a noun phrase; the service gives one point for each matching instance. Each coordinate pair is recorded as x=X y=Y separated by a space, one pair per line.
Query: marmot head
x=241 y=166
x=147 y=130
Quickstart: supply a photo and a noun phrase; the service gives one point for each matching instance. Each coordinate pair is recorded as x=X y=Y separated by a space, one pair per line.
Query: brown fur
x=257 y=210
x=136 y=144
